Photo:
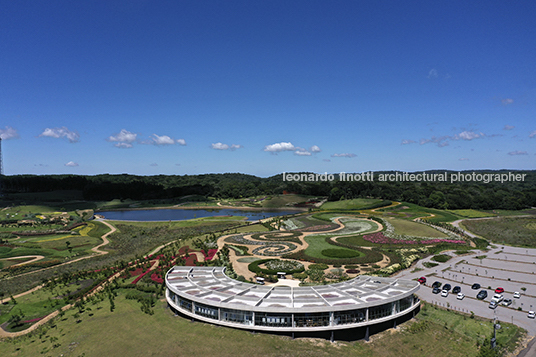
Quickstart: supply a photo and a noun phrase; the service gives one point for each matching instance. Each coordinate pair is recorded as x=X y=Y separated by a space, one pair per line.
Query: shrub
x=441 y=258
x=340 y=253
x=319 y=266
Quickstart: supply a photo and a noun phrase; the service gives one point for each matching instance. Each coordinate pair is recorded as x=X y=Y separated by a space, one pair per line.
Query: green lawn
x=411 y=228
x=410 y=211
x=318 y=243
x=471 y=213
x=356 y=203
x=129 y=332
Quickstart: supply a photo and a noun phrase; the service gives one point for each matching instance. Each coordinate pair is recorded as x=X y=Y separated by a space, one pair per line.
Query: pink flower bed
x=157 y=278
x=136 y=272
x=379 y=238
x=31 y=321
x=140 y=276
x=211 y=253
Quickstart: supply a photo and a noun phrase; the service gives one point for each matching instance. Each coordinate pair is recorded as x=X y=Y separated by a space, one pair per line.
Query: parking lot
x=508 y=267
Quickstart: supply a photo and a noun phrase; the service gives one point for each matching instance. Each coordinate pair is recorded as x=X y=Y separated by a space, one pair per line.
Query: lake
x=185 y=214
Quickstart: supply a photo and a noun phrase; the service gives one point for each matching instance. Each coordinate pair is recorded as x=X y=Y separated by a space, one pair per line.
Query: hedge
x=340 y=253
x=255 y=268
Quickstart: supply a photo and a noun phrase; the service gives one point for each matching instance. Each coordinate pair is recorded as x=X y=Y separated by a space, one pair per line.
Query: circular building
x=208 y=295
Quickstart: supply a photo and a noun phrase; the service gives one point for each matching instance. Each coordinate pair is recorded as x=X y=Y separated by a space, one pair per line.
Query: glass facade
x=184 y=303
x=294 y=320
x=273 y=319
x=311 y=319
x=377 y=312
x=349 y=317
x=206 y=311
x=406 y=303
x=237 y=316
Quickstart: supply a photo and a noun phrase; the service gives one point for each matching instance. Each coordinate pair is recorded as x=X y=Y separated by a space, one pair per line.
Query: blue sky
x=264 y=87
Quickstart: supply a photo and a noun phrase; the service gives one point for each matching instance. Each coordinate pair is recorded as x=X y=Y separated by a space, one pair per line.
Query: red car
x=422 y=280
x=499 y=291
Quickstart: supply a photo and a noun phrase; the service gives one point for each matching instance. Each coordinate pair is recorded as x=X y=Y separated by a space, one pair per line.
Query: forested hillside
x=458 y=195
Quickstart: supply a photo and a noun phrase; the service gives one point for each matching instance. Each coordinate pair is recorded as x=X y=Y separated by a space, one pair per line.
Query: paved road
x=508 y=267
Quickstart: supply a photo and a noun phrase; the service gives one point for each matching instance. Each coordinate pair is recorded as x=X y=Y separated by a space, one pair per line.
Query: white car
x=497 y=298
x=517 y=295
x=460 y=296
x=531 y=315
x=445 y=293
x=506 y=302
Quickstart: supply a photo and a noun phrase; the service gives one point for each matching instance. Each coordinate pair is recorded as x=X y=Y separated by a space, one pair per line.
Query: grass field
x=505 y=230
x=410 y=211
x=356 y=203
x=471 y=213
x=129 y=332
x=411 y=228
x=318 y=243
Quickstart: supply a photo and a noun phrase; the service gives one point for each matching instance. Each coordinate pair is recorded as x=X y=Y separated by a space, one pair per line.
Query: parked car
x=460 y=296
x=499 y=291
x=422 y=280
x=447 y=287
x=506 y=302
x=456 y=290
x=497 y=298
x=531 y=315
x=517 y=295
x=445 y=293
x=436 y=284
x=492 y=304
x=482 y=295
x=475 y=286
x=436 y=290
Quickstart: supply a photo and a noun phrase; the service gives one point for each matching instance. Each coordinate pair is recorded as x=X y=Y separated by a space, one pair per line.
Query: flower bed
x=380 y=238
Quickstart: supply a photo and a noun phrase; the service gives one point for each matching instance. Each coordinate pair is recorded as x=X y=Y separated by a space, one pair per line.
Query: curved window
x=311 y=319
x=349 y=317
x=237 y=316
x=377 y=312
x=206 y=311
x=273 y=319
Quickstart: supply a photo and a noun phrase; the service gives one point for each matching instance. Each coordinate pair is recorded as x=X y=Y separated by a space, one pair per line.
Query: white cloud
x=123 y=145
x=406 y=142
x=348 y=155
x=124 y=136
x=440 y=141
x=162 y=140
x=181 y=142
x=71 y=164
x=468 y=135
x=432 y=74
x=8 y=133
x=62 y=132
x=517 y=152
x=315 y=148
x=508 y=127
x=278 y=147
x=463 y=159
x=532 y=134
x=507 y=101
x=221 y=146
x=302 y=152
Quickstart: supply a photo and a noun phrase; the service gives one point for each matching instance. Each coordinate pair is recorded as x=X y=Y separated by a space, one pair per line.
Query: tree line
x=444 y=195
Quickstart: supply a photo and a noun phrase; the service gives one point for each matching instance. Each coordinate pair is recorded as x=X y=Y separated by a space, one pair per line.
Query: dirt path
x=35 y=258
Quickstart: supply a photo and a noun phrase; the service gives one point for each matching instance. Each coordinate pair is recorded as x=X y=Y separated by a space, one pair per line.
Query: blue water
x=184 y=214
